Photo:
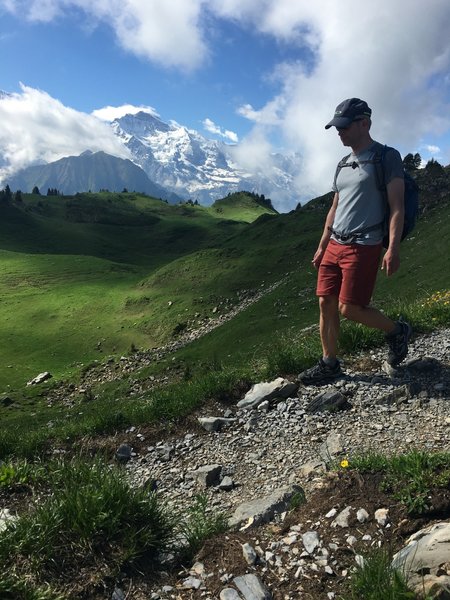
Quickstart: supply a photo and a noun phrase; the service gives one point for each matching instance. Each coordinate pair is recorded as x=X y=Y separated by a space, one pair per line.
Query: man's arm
x=395 y=194
x=317 y=259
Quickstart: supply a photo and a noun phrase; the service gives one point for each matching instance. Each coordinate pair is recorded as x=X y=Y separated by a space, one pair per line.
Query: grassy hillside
x=242 y=206
x=89 y=276
x=72 y=272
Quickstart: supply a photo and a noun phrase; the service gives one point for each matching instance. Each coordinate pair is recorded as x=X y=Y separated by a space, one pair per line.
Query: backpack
x=411 y=197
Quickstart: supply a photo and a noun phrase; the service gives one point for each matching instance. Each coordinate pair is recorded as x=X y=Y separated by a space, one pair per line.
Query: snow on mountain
x=192 y=166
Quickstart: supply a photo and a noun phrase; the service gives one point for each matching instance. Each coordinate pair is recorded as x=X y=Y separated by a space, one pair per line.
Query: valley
x=147 y=316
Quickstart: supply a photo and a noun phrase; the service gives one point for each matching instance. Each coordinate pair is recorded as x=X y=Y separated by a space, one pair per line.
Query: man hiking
x=349 y=251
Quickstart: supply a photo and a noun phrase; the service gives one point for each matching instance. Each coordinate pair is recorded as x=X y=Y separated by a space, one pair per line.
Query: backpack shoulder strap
x=343 y=161
x=341 y=164
x=378 y=159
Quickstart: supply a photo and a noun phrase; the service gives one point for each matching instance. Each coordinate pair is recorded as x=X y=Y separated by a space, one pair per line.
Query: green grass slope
x=242 y=206
x=88 y=276
x=56 y=320
x=71 y=272
x=279 y=317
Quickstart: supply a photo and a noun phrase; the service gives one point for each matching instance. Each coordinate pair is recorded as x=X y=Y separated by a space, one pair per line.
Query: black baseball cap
x=348 y=111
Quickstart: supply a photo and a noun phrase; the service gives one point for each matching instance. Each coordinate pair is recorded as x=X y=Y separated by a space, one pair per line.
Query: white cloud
x=432 y=149
x=168 y=33
x=254 y=153
x=211 y=127
x=109 y=113
x=36 y=127
x=395 y=55
x=270 y=114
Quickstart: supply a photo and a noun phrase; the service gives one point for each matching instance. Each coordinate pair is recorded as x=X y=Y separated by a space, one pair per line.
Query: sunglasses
x=354 y=121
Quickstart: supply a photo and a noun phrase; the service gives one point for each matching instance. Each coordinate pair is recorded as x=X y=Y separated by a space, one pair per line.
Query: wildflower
x=344 y=463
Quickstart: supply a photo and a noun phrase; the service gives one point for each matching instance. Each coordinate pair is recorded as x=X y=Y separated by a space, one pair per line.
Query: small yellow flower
x=344 y=463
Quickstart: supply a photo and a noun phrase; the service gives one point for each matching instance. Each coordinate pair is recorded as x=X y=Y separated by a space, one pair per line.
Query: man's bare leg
x=328 y=368
x=367 y=315
x=397 y=333
x=329 y=325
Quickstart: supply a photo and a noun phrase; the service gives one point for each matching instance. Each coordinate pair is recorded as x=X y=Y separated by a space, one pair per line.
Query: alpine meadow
x=139 y=314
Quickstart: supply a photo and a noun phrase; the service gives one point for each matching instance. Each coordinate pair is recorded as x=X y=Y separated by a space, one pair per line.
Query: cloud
x=394 y=55
x=211 y=127
x=168 y=33
x=36 y=127
x=254 y=153
x=270 y=114
x=110 y=113
x=432 y=149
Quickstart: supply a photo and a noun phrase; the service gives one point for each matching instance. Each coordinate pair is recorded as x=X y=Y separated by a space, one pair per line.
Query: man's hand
x=391 y=262
x=317 y=258
x=395 y=191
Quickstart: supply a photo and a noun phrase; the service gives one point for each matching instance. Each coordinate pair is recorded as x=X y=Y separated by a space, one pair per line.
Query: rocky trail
x=271 y=462
x=280 y=444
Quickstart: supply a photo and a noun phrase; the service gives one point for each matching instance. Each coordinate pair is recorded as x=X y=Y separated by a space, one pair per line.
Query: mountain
x=89 y=171
x=192 y=166
x=178 y=162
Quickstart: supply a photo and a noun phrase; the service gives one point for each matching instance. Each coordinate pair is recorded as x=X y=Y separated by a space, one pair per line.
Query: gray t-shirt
x=361 y=204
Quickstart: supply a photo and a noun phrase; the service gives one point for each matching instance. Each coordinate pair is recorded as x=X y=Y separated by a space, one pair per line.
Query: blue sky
x=88 y=69
x=264 y=73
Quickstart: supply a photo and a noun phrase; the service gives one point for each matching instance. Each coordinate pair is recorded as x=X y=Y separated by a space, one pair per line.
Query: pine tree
x=7 y=193
x=433 y=167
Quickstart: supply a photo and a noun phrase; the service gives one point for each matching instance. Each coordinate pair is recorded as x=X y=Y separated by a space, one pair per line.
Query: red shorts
x=349 y=272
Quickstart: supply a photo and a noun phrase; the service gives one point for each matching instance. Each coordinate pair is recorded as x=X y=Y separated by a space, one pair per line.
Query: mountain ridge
x=187 y=163
x=90 y=171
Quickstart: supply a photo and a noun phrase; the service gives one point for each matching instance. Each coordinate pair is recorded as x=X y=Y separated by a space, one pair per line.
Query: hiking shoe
x=320 y=373
x=398 y=343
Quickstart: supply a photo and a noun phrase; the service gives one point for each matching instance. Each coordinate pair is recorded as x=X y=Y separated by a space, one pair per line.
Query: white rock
x=382 y=516
x=310 y=541
x=342 y=519
x=192 y=583
x=362 y=515
x=422 y=559
x=249 y=554
x=229 y=594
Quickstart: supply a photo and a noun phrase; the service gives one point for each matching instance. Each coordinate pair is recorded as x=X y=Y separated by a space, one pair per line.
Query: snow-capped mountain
x=183 y=161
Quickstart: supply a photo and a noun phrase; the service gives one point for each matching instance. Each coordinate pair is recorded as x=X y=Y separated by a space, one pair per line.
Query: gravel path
x=263 y=450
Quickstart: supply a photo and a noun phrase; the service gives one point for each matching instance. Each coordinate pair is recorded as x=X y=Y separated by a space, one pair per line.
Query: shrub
x=91 y=520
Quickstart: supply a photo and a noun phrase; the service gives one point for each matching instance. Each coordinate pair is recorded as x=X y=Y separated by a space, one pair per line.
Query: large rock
x=266 y=391
x=329 y=400
x=262 y=510
x=123 y=453
x=40 y=378
x=213 y=424
x=208 y=475
x=252 y=588
x=425 y=562
x=331 y=447
x=229 y=594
